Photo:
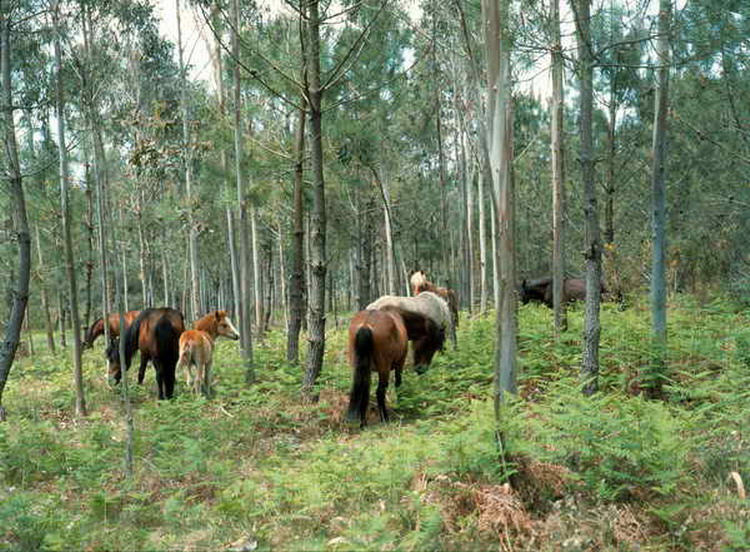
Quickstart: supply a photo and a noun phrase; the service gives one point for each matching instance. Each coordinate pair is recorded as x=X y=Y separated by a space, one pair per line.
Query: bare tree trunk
x=125 y=284
x=495 y=267
x=49 y=327
x=142 y=251
x=558 y=177
x=257 y=273
x=124 y=388
x=282 y=278
x=659 y=192
x=592 y=249
x=500 y=112
x=165 y=277
x=100 y=169
x=318 y=224
x=61 y=319
x=482 y=246
x=15 y=186
x=297 y=277
x=89 y=238
x=246 y=342
x=187 y=154
x=469 y=174
x=65 y=217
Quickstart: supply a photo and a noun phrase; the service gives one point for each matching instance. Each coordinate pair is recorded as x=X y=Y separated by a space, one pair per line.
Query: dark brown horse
x=420 y=283
x=540 y=290
x=156 y=334
x=97 y=328
x=378 y=342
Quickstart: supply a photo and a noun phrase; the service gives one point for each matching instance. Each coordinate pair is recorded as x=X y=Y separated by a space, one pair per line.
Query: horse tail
x=359 y=398
x=167 y=341
x=186 y=350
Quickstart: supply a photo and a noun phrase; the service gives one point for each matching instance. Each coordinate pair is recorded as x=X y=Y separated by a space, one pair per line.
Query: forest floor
x=254 y=468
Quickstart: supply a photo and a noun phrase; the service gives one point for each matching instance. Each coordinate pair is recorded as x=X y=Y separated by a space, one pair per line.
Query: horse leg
x=142 y=368
x=168 y=378
x=159 y=379
x=382 y=388
x=420 y=362
x=207 y=379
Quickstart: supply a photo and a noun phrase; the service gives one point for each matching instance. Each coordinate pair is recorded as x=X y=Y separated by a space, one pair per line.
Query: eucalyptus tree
x=658 y=190
x=497 y=42
x=65 y=211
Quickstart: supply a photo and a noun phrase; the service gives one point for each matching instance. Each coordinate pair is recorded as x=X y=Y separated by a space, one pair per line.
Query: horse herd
x=378 y=339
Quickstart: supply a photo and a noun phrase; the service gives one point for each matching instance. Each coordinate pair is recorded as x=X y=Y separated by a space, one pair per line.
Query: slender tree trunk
x=142 y=251
x=100 y=168
x=62 y=320
x=500 y=112
x=592 y=246
x=165 y=277
x=20 y=224
x=469 y=173
x=89 y=240
x=318 y=221
x=125 y=284
x=482 y=246
x=124 y=388
x=245 y=316
x=50 y=328
x=187 y=154
x=558 y=177
x=257 y=273
x=297 y=277
x=65 y=217
x=282 y=278
x=659 y=193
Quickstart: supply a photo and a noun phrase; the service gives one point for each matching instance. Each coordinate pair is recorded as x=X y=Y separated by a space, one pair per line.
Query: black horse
x=540 y=290
x=156 y=334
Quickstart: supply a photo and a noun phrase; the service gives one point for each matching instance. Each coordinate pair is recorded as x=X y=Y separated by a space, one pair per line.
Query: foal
x=197 y=347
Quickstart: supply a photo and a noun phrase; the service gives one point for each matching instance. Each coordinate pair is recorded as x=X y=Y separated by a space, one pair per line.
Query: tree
x=318 y=213
x=500 y=124
x=658 y=192
x=65 y=216
x=592 y=246
x=15 y=186
x=558 y=175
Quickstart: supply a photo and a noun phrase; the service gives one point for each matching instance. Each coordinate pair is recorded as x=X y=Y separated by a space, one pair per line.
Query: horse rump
x=359 y=397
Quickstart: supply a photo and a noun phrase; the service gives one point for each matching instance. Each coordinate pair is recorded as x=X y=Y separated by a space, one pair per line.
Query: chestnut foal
x=197 y=347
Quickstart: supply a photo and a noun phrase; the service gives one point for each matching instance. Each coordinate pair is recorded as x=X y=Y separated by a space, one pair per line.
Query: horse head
x=224 y=326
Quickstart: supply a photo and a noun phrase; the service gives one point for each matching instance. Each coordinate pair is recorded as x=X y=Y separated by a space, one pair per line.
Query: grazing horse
x=420 y=283
x=156 y=334
x=378 y=342
x=426 y=318
x=574 y=289
x=197 y=347
x=97 y=328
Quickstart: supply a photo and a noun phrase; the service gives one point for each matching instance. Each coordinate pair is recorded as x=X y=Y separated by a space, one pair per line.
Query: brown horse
x=378 y=342
x=197 y=348
x=97 y=328
x=420 y=283
x=156 y=334
x=426 y=318
x=540 y=290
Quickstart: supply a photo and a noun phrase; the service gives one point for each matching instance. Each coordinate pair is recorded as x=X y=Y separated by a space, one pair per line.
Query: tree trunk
x=558 y=177
x=187 y=156
x=257 y=273
x=49 y=327
x=124 y=389
x=297 y=277
x=89 y=240
x=20 y=224
x=592 y=245
x=246 y=342
x=500 y=114
x=318 y=220
x=282 y=278
x=659 y=191
x=61 y=320
x=65 y=217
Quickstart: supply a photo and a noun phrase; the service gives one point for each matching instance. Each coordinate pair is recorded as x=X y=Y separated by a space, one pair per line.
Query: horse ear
x=218 y=315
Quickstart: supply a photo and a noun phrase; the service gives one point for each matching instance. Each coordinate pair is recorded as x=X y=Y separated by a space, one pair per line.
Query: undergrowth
x=256 y=467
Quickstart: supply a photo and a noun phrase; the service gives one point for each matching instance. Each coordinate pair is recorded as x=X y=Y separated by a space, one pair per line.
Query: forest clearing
x=374 y=275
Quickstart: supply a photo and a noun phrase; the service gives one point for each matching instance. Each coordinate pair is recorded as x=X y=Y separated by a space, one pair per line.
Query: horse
x=197 y=347
x=420 y=283
x=156 y=334
x=426 y=318
x=540 y=290
x=378 y=342
x=97 y=328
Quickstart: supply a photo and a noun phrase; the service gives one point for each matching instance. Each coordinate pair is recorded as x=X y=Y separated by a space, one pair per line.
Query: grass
x=256 y=467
